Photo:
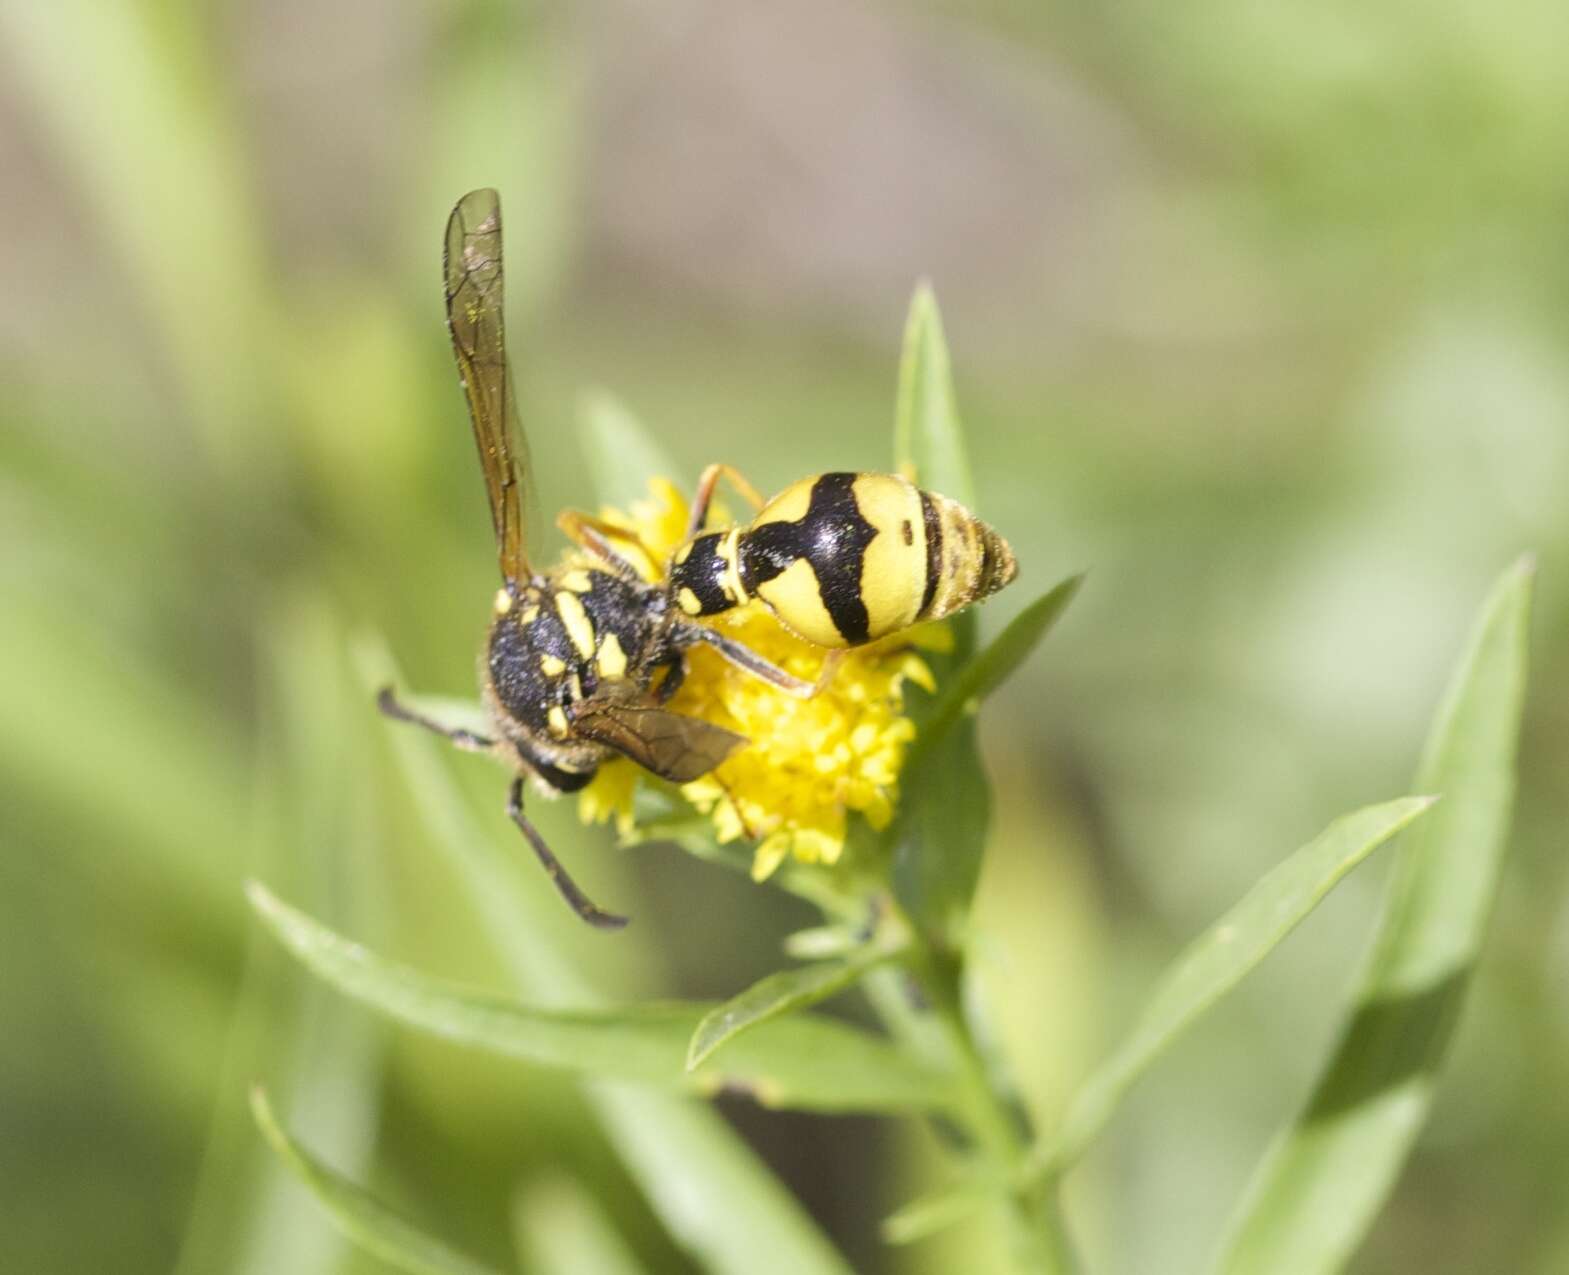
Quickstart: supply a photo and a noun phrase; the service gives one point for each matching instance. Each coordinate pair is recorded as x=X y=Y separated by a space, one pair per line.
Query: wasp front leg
x=705 y=494
x=576 y=899
x=597 y=537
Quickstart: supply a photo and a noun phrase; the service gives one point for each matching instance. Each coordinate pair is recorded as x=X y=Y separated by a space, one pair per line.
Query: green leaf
x=561 y=1229
x=926 y=1215
x=1322 y=1183
x=927 y=435
x=940 y=831
x=362 y=1217
x=622 y=455
x=178 y=163
x=805 y=1062
x=995 y=665
x=780 y=993
x=823 y=942
x=1222 y=957
x=718 y=1200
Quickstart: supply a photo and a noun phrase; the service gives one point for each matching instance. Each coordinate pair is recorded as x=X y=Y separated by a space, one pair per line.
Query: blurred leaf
x=782 y=992
x=940 y=831
x=812 y=1063
x=822 y=942
x=718 y=1200
x=313 y=829
x=622 y=455
x=927 y=437
x=926 y=1215
x=1324 y=1180
x=560 y=1229
x=169 y=192
x=1221 y=957
x=362 y=1217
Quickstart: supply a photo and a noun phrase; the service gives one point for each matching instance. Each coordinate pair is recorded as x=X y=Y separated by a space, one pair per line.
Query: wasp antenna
x=576 y=899
x=387 y=701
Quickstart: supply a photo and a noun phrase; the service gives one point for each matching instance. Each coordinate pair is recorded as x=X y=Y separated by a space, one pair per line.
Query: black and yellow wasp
x=582 y=659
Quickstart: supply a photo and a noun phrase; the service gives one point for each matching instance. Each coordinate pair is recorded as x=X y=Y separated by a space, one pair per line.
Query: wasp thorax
x=702 y=575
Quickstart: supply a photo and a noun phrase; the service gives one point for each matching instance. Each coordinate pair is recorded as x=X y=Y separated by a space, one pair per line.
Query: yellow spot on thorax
x=578 y=581
x=550 y=666
x=687 y=601
x=612 y=659
x=503 y=601
x=576 y=622
x=556 y=719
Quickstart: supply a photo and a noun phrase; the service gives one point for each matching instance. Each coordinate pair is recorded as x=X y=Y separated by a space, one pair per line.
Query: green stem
x=1040 y=1241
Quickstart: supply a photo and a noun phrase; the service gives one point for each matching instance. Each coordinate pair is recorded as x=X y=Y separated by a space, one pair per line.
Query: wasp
x=581 y=660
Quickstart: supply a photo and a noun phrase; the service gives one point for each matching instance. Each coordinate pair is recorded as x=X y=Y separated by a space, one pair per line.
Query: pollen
x=812 y=765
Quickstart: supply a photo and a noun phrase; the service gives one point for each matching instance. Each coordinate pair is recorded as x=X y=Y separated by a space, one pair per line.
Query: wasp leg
x=825 y=675
x=576 y=899
x=464 y=739
x=705 y=494
x=675 y=674
x=595 y=535
x=745 y=658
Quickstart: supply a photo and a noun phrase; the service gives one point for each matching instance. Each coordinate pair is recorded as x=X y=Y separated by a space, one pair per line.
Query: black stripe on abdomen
x=933 y=552
x=832 y=536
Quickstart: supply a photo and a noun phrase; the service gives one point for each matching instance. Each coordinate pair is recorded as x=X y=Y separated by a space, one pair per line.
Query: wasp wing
x=673 y=746
x=475 y=289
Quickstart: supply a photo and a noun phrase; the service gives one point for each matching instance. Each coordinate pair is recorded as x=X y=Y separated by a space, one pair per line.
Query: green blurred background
x=1258 y=314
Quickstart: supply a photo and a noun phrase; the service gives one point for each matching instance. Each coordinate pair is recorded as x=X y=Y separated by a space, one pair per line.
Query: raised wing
x=475 y=293
x=674 y=747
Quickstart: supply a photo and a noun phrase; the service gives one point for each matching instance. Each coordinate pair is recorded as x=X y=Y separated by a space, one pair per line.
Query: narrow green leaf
x=362 y=1217
x=782 y=992
x=995 y=665
x=926 y=1215
x=805 y=1062
x=823 y=942
x=1221 y=957
x=622 y=455
x=561 y=1229
x=927 y=436
x=719 y=1201
x=940 y=831
x=1322 y=1183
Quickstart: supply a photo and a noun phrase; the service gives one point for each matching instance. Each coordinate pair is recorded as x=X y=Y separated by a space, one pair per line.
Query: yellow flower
x=809 y=764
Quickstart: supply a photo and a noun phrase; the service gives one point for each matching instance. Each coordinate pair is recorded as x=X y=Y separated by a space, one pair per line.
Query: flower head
x=809 y=763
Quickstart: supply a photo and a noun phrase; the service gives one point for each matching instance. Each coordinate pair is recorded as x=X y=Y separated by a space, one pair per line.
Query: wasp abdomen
x=967 y=560
x=847 y=558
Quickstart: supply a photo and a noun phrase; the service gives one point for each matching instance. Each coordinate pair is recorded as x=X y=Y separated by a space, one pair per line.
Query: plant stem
x=1039 y=1239
x=1040 y=1242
